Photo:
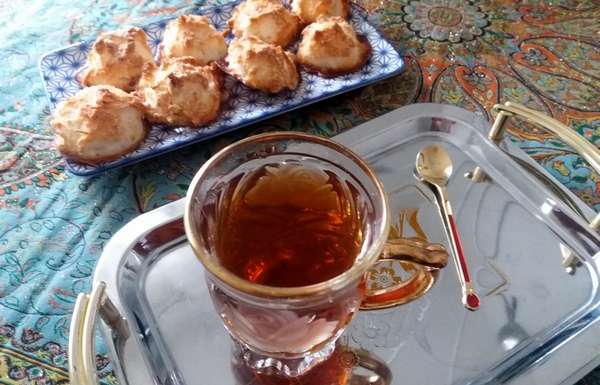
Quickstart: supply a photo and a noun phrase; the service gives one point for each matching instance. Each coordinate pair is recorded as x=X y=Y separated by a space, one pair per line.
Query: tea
x=289 y=225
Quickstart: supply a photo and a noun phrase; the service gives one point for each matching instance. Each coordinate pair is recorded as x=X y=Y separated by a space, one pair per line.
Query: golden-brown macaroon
x=99 y=123
x=193 y=35
x=181 y=92
x=310 y=10
x=117 y=58
x=267 y=20
x=262 y=66
x=331 y=47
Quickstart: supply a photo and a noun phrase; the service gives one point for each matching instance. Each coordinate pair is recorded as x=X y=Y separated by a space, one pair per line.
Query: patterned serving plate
x=245 y=106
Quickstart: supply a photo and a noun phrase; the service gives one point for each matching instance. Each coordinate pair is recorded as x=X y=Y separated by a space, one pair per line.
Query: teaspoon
x=434 y=169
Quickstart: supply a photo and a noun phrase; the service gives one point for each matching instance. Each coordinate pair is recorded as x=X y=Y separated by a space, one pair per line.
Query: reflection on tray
x=410 y=278
x=341 y=368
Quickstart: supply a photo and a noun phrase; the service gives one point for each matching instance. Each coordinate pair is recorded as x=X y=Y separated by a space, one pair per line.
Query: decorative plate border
x=59 y=69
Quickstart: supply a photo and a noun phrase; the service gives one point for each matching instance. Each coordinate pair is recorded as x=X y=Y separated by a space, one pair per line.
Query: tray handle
x=584 y=148
x=82 y=362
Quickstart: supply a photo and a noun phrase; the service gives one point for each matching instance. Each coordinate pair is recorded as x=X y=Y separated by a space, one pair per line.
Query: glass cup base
x=288 y=367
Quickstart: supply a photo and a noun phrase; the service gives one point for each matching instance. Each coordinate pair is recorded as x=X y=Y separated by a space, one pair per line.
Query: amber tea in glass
x=289 y=224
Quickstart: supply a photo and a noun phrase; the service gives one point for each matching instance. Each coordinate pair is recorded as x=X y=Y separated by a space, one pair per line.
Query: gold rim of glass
x=366 y=259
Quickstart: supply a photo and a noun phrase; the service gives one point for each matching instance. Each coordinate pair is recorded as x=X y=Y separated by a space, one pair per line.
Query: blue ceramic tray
x=245 y=106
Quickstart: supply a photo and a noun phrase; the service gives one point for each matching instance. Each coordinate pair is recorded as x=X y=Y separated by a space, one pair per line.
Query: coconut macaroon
x=262 y=66
x=192 y=35
x=99 y=123
x=267 y=20
x=181 y=92
x=117 y=58
x=331 y=47
x=310 y=10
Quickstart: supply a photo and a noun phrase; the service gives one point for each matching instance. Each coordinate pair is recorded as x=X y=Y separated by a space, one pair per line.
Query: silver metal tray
x=515 y=229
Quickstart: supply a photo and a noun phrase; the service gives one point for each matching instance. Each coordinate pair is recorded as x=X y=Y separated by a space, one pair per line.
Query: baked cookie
x=117 y=58
x=267 y=20
x=262 y=66
x=181 y=92
x=99 y=123
x=331 y=47
x=310 y=10
x=192 y=35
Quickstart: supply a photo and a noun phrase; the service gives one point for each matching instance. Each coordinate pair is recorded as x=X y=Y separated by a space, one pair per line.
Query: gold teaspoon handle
x=470 y=299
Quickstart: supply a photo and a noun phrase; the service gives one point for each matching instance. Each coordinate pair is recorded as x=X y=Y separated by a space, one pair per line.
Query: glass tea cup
x=285 y=326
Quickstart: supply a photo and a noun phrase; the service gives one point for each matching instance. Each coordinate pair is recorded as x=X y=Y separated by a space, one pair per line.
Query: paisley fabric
x=53 y=225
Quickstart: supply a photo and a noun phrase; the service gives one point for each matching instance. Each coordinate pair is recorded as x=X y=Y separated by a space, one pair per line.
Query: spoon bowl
x=434 y=165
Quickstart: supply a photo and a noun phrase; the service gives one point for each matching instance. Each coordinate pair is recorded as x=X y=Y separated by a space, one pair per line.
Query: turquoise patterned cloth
x=53 y=225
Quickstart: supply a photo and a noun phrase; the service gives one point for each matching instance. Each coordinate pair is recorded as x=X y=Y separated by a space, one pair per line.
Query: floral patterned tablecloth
x=53 y=225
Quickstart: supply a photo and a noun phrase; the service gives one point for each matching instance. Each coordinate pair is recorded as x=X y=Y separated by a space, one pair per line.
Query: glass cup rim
x=333 y=284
